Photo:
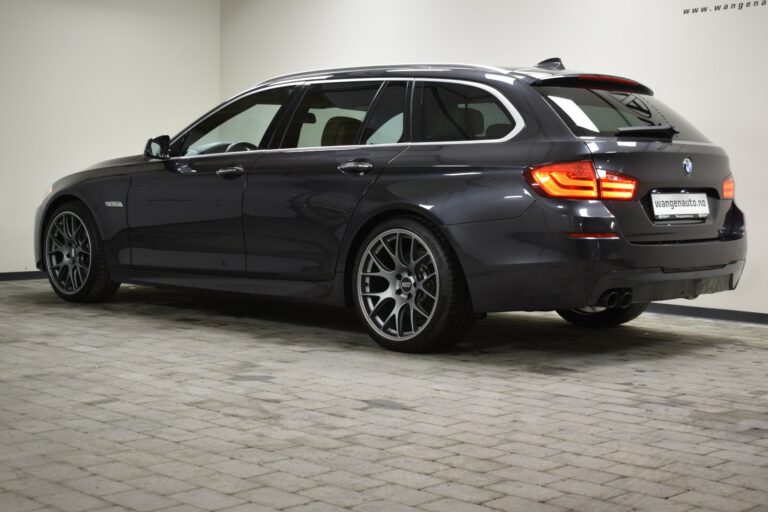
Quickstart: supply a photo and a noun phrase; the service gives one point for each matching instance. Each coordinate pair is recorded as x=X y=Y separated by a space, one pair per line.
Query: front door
x=185 y=213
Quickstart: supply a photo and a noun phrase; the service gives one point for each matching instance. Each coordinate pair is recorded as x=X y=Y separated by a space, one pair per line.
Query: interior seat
x=459 y=124
x=340 y=131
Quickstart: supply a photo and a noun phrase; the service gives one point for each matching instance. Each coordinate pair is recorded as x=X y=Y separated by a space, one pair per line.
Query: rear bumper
x=529 y=263
x=659 y=283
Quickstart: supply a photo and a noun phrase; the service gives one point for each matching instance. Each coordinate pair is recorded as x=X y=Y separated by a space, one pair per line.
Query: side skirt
x=329 y=293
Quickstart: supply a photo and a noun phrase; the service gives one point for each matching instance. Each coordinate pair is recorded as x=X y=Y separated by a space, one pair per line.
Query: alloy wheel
x=398 y=284
x=68 y=252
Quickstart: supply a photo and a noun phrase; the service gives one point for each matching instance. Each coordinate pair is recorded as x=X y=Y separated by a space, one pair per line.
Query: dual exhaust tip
x=617 y=298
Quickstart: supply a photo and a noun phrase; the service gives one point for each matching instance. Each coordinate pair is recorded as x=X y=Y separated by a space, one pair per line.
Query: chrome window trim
x=516 y=116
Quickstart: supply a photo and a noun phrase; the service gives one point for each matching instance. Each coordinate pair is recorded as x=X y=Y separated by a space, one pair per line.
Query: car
x=423 y=196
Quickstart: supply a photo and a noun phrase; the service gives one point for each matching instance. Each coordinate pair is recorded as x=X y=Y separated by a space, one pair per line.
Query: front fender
x=95 y=189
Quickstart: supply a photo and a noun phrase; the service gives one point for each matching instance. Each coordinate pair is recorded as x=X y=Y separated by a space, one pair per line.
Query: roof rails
x=551 y=63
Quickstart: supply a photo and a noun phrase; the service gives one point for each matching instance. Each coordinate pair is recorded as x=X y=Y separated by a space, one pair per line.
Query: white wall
x=710 y=67
x=86 y=80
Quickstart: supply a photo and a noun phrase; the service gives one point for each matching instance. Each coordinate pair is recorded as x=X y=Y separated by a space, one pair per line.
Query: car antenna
x=552 y=63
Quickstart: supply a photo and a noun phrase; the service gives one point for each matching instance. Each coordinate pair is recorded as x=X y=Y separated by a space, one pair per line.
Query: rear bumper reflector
x=594 y=236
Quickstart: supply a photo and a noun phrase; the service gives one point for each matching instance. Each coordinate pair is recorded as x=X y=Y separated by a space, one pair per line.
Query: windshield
x=601 y=113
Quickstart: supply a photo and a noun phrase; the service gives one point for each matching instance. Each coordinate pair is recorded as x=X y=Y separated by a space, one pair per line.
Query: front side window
x=330 y=115
x=240 y=126
x=459 y=112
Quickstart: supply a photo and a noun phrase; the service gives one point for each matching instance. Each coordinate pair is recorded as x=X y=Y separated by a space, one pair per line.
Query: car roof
x=531 y=74
x=430 y=70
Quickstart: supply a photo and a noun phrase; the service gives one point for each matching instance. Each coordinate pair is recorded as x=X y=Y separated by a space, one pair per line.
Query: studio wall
x=709 y=66
x=86 y=80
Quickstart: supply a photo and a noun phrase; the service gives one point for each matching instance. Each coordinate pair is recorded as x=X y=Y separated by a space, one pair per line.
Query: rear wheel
x=409 y=291
x=74 y=256
x=603 y=317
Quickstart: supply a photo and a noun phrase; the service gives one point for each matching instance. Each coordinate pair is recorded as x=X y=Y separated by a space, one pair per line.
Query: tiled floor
x=177 y=401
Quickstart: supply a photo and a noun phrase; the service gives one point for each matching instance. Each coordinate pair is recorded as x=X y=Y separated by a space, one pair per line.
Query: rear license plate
x=680 y=206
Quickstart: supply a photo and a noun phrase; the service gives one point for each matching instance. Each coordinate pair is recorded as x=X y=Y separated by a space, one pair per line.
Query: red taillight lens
x=615 y=186
x=571 y=180
x=729 y=188
x=578 y=180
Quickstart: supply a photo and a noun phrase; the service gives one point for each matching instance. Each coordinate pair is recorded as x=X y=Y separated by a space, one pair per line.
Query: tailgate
x=680 y=173
x=660 y=168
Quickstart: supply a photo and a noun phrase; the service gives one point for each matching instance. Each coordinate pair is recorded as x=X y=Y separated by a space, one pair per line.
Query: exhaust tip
x=611 y=299
x=626 y=300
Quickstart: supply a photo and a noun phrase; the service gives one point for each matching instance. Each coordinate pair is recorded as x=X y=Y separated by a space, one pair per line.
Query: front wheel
x=74 y=256
x=603 y=317
x=408 y=288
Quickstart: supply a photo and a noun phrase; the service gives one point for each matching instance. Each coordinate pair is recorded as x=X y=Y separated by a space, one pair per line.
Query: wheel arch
x=365 y=228
x=51 y=207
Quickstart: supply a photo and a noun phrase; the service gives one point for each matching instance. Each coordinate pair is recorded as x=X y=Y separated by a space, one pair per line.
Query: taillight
x=729 y=188
x=618 y=187
x=572 y=180
x=578 y=180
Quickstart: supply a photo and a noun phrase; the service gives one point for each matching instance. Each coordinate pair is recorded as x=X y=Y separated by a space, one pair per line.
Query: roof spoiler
x=592 y=81
x=586 y=80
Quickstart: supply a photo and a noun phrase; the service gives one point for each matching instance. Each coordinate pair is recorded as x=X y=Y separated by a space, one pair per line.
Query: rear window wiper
x=662 y=131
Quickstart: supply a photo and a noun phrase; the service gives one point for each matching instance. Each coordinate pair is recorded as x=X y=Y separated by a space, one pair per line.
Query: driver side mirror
x=158 y=147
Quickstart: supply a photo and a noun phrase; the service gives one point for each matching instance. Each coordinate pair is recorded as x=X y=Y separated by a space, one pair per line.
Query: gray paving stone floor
x=176 y=401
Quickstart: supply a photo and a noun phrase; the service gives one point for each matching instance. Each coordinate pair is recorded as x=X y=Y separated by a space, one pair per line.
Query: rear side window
x=386 y=122
x=330 y=115
x=601 y=112
x=458 y=112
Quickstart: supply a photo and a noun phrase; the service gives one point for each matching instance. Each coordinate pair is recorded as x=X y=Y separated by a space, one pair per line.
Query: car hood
x=116 y=162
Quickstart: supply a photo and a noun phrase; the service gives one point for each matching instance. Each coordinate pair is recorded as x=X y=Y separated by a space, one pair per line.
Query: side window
x=386 y=122
x=330 y=115
x=240 y=126
x=458 y=112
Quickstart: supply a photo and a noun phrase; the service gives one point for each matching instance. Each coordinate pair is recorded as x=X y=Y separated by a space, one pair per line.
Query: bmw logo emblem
x=688 y=166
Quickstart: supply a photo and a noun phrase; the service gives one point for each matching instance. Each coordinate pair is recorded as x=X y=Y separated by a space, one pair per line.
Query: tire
x=74 y=256
x=603 y=317
x=417 y=303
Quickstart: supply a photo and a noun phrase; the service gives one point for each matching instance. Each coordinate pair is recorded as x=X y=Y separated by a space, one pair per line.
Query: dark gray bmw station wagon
x=421 y=195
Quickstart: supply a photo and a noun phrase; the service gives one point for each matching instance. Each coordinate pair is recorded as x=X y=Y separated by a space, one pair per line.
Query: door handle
x=356 y=167
x=230 y=172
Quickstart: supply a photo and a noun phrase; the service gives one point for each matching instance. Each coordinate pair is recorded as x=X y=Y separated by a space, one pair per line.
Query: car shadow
x=502 y=337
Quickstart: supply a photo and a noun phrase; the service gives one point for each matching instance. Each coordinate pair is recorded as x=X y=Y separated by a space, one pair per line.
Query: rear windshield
x=599 y=112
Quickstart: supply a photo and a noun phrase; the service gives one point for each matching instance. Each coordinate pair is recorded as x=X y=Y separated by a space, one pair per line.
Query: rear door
x=300 y=197
x=680 y=178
